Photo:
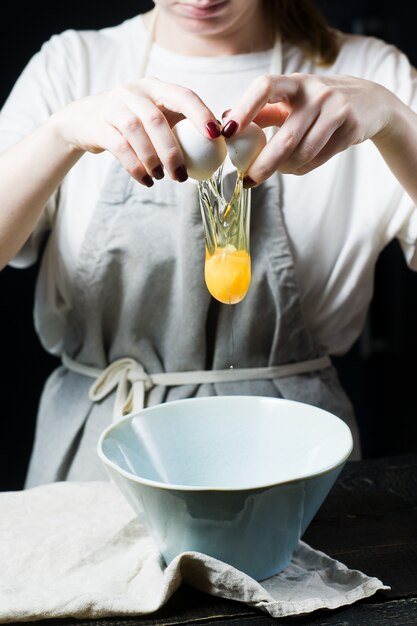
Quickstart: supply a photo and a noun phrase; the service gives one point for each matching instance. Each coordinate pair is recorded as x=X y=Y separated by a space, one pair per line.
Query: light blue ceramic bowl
x=236 y=477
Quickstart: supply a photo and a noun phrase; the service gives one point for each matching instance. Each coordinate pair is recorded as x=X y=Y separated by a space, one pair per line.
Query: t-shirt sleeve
x=389 y=66
x=44 y=86
x=401 y=77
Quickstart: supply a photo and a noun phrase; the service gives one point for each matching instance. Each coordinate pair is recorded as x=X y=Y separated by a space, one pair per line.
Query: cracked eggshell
x=245 y=147
x=202 y=156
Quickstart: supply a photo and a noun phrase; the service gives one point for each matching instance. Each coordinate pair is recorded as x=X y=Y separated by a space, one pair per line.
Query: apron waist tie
x=130 y=380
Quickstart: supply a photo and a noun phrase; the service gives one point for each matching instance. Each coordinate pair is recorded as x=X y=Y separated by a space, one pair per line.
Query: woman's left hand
x=317 y=116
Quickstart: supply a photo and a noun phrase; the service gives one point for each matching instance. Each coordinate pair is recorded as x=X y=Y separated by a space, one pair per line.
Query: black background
x=379 y=371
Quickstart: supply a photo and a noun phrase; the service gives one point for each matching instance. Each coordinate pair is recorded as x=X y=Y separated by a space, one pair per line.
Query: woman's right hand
x=134 y=122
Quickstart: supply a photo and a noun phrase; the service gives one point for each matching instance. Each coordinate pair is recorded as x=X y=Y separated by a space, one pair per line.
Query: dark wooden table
x=368 y=521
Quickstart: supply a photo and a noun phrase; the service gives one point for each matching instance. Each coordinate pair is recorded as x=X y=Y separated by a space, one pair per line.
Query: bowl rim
x=199 y=488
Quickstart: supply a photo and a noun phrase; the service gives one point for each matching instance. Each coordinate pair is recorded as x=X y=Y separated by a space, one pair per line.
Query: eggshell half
x=245 y=147
x=202 y=156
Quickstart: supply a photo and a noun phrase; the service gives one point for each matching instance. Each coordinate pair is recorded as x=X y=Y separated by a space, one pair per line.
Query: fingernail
x=225 y=113
x=158 y=172
x=213 y=130
x=248 y=182
x=230 y=129
x=147 y=180
x=181 y=174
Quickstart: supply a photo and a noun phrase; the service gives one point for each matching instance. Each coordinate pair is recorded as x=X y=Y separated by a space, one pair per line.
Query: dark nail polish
x=147 y=180
x=230 y=129
x=225 y=113
x=158 y=172
x=181 y=174
x=213 y=130
x=248 y=182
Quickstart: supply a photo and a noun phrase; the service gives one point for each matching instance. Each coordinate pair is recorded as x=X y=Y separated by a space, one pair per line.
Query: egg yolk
x=227 y=273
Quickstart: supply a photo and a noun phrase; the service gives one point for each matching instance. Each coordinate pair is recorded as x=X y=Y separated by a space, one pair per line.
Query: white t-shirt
x=339 y=217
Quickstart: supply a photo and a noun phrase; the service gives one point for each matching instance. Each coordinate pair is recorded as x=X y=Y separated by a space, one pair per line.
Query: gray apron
x=141 y=312
x=139 y=292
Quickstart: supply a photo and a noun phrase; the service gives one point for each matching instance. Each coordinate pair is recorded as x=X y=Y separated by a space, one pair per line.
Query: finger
x=117 y=144
x=262 y=91
x=185 y=102
x=313 y=141
x=273 y=115
x=282 y=145
x=340 y=141
x=161 y=137
x=131 y=127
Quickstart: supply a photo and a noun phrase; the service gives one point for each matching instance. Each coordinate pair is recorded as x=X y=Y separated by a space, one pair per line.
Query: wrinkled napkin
x=78 y=550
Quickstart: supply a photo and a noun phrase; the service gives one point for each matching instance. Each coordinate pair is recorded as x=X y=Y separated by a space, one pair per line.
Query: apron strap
x=130 y=380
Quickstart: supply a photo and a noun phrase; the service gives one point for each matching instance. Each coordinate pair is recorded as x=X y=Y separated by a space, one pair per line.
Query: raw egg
x=227 y=270
x=227 y=273
x=202 y=156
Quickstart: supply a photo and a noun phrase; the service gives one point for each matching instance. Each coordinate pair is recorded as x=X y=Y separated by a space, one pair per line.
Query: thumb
x=273 y=114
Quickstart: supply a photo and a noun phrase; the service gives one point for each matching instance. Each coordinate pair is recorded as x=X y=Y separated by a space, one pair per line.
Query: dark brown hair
x=301 y=23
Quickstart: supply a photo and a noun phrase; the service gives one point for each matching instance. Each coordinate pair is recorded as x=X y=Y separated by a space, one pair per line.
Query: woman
x=120 y=293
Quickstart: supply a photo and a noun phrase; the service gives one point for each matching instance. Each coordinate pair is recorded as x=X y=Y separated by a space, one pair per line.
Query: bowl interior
x=226 y=442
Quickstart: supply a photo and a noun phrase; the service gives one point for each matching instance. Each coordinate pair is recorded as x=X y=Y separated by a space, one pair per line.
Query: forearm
x=398 y=147
x=30 y=172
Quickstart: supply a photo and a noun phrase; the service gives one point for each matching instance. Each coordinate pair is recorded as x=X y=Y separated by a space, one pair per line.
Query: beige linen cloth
x=78 y=550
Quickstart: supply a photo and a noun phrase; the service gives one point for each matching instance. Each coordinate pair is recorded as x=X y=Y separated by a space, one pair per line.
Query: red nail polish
x=181 y=174
x=158 y=172
x=147 y=180
x=213 y=130
x=230 y=129
x=248 y=182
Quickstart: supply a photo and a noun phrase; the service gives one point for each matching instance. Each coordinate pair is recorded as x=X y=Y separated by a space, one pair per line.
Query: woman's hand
x=134 y=123
x=317 y=116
